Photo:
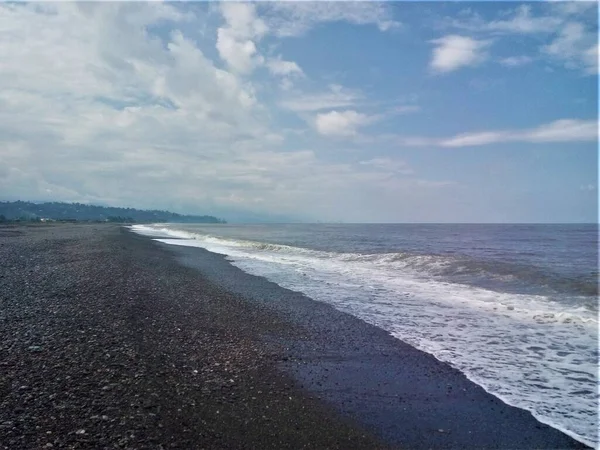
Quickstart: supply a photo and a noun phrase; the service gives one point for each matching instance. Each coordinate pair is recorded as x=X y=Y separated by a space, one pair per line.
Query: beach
x=112 y=340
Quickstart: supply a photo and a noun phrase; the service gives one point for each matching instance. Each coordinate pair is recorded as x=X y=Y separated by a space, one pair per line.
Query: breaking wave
x=534 y=351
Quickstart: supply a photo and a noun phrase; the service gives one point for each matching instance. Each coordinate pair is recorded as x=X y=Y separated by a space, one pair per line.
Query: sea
x=514 y=307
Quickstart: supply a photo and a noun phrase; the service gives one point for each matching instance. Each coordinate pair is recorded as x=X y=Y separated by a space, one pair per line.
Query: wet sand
x=112 y=340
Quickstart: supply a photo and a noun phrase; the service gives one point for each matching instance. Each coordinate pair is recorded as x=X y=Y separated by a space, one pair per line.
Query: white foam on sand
x=529 y=351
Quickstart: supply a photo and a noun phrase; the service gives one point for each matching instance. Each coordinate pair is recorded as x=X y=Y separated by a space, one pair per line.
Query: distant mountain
x=81 y=212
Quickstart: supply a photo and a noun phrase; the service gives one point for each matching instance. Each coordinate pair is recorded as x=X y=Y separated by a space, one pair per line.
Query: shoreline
x=107 y=342
x=109 y=338
x=448 y=398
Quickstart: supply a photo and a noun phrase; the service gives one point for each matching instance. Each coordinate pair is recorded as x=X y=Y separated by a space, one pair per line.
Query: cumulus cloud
x=453 y=52
x=242 y=19
x=235 y=40
x=341 y=123
x=240 y=55
x=127 y=103
x=121 y=114
x=129 y=116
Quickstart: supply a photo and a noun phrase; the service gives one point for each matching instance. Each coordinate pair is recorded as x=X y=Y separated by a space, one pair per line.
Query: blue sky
x=355 y=112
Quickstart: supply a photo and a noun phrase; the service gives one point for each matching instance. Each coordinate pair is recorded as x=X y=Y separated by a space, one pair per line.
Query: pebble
x=118 y=344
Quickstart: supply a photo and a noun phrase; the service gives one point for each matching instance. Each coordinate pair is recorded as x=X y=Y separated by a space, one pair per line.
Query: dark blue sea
x=515 y=307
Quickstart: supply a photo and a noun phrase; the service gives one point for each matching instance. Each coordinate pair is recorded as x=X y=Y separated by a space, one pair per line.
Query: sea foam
x=528 y=350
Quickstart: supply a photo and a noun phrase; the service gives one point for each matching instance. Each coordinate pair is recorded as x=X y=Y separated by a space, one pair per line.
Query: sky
x=310 y=111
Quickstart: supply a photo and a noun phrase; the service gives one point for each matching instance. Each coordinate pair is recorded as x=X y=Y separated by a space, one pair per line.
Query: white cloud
x=563 y=130
x=516 y=61
x=340 y=123
x=453 y=52
x=286 y=84
x=240 y=55
x=277 y=66
x=140 y=109
x=521 y=21
x=574 y=8
x=243 y=29
x=576 y=46
x=567 y=31
x=336 y=97
x=243 y=20
x=524 y=23
x=127 y=116
x=120 y=111
x=235 y=41
x=296 y=18
x=590 y=59
x=286 y=70
x=470 y=139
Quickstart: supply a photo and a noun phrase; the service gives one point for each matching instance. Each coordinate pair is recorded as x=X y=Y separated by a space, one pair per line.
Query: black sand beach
x=111 y=340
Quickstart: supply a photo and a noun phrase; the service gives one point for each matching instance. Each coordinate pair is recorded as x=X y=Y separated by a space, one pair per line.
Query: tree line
x=22 y=211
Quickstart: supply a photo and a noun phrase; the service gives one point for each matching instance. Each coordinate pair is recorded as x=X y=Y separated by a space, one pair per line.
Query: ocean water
x=514 y=307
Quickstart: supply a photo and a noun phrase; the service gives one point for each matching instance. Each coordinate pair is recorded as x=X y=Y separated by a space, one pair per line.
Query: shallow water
x=512 y=306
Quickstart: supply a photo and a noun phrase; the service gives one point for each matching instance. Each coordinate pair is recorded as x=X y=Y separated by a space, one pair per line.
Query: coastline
x=107 y=342
x=218 y=357
x=407 y=396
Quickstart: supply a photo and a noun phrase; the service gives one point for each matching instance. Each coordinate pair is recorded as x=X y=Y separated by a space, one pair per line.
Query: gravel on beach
x=107 y=342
